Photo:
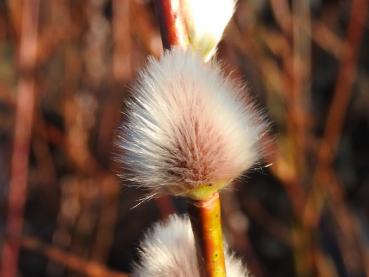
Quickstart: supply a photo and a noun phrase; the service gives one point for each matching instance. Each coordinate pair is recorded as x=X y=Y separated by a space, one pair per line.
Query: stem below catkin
x=205 y=219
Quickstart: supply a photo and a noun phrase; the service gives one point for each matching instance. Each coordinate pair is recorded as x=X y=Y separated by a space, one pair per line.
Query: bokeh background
x=66 y=67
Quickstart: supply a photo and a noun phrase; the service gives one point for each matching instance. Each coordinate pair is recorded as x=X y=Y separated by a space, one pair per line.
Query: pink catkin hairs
x=188 y=125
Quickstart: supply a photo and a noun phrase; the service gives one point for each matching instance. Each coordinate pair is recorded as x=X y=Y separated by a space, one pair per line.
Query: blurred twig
x=318 y=32
x=236 y=222
x=341 y=97
x=73 y=262
x=109 y=190
x=332 y=133
x=145 y=30
x=282 y=14
x=345 y=79
x=22 y=134
x=122 y=64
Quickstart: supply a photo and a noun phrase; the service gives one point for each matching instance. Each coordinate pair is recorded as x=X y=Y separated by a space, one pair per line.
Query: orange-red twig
x=22 y=135
x=171 y=25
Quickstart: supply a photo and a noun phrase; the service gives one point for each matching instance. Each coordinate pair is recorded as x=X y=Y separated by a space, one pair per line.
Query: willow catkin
x=188 y=125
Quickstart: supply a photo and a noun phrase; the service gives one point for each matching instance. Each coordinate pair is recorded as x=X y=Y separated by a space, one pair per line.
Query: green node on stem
x=205 y=191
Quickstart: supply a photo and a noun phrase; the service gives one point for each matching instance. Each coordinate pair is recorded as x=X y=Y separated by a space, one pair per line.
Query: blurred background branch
x=25 y=101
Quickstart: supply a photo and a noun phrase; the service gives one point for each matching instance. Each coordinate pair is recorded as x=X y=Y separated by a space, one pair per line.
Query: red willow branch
x=22 y=134
x=171 y=25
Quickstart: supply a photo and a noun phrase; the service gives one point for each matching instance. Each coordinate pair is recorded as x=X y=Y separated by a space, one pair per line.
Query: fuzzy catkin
x=169 y=250
x=187 y=125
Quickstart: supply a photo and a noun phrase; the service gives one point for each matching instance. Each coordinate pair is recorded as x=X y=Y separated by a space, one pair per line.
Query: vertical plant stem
x=171 y=24
x=22 y=135
x=205 y=218
x=204 y=214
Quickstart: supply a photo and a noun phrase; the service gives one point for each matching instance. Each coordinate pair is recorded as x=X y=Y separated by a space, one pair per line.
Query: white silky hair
x=186 y=125
x=169 y=250
x=205 y=22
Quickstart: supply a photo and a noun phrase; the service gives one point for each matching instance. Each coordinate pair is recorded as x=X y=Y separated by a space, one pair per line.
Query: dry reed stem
x=22 y=134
